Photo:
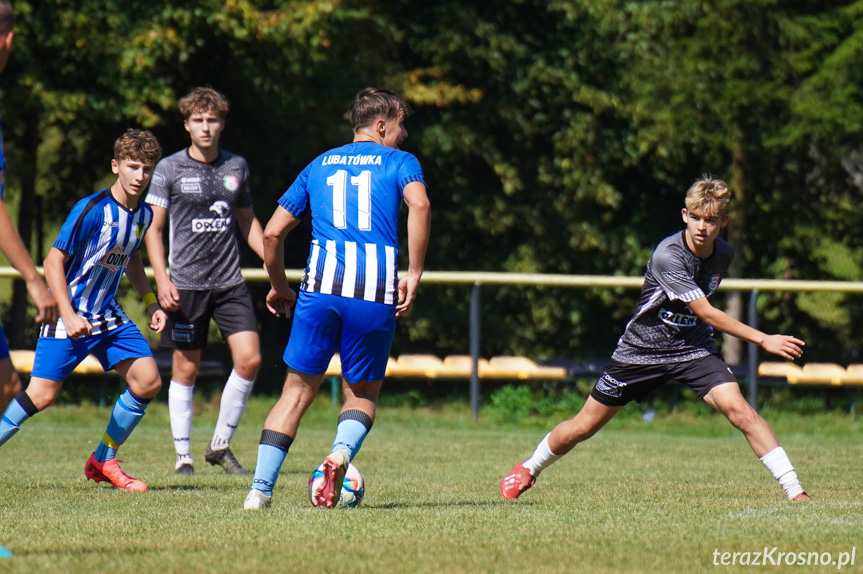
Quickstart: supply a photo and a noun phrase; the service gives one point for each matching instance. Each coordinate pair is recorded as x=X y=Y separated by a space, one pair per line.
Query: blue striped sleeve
x=409 y=171
x=296 y=198
x=83 y=221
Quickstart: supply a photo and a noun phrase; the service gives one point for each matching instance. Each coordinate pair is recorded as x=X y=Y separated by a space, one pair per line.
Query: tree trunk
x=28 y=213
x=732 y=347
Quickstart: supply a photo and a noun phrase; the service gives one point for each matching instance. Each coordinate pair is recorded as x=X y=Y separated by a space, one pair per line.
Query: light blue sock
x=354 y=425
x=270 y=459
x=128 y=412
x=10 y=423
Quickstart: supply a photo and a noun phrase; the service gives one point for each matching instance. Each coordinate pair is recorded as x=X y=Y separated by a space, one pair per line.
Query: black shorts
x=621 y=383
x=230 y=307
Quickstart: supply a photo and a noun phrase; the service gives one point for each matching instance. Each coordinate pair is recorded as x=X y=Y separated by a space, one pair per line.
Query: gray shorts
x=231 y=308
x=621 y=383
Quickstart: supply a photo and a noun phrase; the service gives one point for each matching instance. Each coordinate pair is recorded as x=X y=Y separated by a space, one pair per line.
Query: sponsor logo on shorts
x=677 y=319
x=608 y=385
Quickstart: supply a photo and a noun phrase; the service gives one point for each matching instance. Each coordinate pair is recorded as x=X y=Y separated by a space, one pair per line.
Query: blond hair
x=203 y=100
x=708 y=196
x=138 y=145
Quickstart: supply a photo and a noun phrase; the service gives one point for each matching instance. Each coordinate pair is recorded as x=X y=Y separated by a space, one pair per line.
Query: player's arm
x=55 y=274
x=251 y=230
x=14 y=250
x=419 y=227
x=168 y=294
x=281 y=297
x=782 y=345
x=138 y=278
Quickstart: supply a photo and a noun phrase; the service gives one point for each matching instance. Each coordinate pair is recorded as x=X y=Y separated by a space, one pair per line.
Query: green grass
x=635 y=498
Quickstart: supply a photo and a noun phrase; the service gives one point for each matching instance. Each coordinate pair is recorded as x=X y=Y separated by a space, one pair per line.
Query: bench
x=817 y=374
x=460 y=367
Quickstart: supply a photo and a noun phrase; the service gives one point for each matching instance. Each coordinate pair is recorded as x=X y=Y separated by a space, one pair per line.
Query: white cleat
x=257 y=500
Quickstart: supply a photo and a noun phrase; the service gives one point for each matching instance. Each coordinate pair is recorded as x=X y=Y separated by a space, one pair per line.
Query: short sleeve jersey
x=99 y=236
x=354 y=193
x=664 y=329
x=201 y=199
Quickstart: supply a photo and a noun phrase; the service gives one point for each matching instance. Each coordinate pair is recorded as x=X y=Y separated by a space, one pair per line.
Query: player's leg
x=54 y=360
x=727 y=399
x=280 y=428
x=40 y=394
x=184 y=371
x=235 y=316
x=314 y=337
x=186 y=334
x=125 y=350
x=619 y=384
x=367 y=337
x=10 y=383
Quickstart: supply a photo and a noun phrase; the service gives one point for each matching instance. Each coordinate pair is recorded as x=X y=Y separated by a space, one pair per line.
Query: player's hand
x=77 y=326
x=783 y=345
x=47 y=308
x=280 y=302
x=158 y=319
x=408 y=286
x=169 y=297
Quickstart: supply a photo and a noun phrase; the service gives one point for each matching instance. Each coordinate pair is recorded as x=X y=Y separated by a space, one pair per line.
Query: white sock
x=780 y=467
x=542 y=457
x=180 y=407
x=234 y=399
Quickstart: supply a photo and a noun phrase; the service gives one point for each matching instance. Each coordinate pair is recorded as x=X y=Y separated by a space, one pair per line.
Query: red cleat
x=802 y=496
x=516 y=482
x=327 y=493
x=109 y=471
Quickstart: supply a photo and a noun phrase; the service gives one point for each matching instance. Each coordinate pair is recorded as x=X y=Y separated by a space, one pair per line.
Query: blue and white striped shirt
x=100 y=236
x=354 y=192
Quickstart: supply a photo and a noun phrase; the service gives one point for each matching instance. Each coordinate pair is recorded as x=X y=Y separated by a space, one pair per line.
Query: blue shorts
x=4 y=346
x=56 y=358
x=361 y=331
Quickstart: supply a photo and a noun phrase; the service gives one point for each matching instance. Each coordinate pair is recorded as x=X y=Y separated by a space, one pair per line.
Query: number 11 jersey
x=354 y=193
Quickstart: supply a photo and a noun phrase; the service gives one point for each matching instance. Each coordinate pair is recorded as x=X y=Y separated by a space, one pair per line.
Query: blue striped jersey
x=99 y=236
x=354 y=193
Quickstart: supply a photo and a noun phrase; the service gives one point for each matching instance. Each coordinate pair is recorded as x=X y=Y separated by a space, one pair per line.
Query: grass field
x=636 y=498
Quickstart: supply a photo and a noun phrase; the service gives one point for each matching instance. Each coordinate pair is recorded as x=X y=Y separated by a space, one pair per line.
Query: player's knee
x=742 y=416
x=247 y=366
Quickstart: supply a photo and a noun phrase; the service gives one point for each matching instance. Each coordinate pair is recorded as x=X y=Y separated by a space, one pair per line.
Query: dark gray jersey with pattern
x=201 y=199
x=664 y=329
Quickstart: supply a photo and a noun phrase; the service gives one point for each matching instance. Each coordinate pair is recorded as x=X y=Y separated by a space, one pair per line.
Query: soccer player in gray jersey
x=671 y=337
x=203 y=190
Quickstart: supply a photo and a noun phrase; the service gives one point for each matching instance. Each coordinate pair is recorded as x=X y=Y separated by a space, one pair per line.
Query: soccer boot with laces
x=257 y=500
x=326 y=495
x=516 y=482
x=110 y=471
x=224 y=458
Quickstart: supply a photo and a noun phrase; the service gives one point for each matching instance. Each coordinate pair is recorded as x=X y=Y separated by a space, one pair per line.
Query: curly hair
x=201 y=100
x=138 y=145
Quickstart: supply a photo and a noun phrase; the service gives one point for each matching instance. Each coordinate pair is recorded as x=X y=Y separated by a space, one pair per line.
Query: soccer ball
x=353 y=486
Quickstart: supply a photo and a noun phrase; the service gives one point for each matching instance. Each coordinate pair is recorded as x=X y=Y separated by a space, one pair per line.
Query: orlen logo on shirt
x=677 y=319
x=216 y=224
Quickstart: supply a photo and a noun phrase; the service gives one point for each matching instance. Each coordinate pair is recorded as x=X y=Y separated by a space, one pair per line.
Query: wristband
x=149 y=299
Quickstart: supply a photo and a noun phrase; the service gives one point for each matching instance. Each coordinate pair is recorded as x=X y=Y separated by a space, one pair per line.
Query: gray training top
x=664 y=329
x=201 y=199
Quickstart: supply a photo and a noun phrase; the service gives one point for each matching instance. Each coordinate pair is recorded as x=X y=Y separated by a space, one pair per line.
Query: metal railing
x=479 y=278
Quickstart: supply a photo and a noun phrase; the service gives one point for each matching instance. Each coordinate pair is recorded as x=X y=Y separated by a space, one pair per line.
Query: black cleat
x=185 y=468
x=224 y=458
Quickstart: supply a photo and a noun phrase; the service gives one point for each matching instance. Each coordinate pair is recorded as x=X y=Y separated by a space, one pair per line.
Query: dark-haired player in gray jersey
x=204 y=191
x=670 y=337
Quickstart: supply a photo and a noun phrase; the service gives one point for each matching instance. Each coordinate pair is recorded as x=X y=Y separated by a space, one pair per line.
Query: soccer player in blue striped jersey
x=96 y=246
x=11 y=244
x=350 y=295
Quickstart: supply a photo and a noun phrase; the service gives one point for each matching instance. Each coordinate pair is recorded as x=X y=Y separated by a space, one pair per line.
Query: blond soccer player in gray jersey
x=204 y=191
x=670 y=337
